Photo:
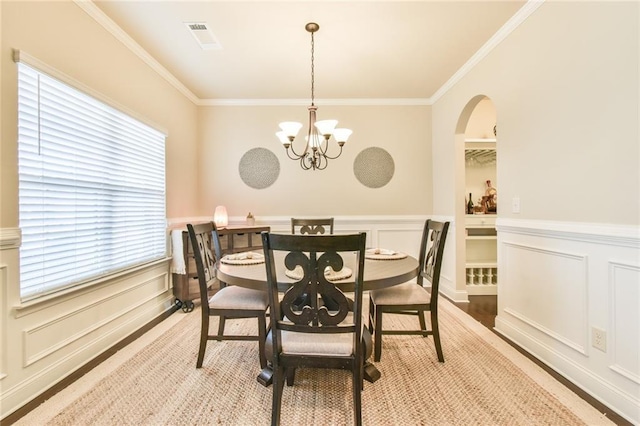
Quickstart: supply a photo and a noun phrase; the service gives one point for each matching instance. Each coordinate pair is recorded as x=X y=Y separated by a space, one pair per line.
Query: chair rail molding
x=600 y=233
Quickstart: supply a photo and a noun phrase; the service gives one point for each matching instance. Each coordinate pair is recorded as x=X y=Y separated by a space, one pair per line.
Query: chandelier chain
x=312 y=70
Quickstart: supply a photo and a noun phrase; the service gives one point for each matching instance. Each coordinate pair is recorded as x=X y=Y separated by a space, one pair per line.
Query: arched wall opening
x=476 y=174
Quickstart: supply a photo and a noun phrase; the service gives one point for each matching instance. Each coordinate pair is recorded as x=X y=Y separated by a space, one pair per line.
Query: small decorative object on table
x=250 y=219
x=220 y=217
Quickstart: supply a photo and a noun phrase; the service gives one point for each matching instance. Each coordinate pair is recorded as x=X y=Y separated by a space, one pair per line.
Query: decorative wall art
x=373 y=167
x=259 y=168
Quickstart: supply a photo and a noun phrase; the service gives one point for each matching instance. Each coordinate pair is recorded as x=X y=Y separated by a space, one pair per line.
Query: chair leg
x=377 y=338
x=358 y=384
x=262 y=337
x=436 y=334
x=291 y=376
x=220 y=328
x=278 y=386
x=204 y=334
x=372 y=310
x=423 y=324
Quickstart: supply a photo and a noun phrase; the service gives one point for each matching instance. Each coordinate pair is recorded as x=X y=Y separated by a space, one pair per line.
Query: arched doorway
x=476 y=181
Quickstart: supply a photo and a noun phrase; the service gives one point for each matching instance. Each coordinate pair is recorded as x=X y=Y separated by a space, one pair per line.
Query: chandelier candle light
x=314 y=156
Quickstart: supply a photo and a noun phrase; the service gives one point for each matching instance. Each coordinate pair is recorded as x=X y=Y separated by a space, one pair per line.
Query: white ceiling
x=363 y=50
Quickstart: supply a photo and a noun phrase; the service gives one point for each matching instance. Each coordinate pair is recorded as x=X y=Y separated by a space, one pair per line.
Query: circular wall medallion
x=373 y=167
x=259 y=168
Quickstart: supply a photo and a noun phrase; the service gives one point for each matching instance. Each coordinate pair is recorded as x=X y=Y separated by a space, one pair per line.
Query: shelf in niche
x=480 y=156
x=487 y=264
x=480 y=140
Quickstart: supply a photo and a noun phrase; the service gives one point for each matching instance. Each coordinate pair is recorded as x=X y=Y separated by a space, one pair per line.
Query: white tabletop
x=377 y=273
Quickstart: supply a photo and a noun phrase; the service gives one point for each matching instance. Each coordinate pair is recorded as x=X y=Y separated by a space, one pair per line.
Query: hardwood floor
x=485 y=308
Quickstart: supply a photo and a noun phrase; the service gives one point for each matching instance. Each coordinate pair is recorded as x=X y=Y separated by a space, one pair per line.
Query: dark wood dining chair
x=228 y=301
x=412 y=298
x=311 y=226
x=312 y=335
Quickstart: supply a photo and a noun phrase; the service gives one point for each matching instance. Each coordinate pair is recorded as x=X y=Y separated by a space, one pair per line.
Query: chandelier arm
x=333 y=158
x=297 y=156
x=322 y=164
x=307 y=162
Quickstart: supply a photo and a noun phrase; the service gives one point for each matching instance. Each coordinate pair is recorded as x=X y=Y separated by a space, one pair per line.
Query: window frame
x=129 y=245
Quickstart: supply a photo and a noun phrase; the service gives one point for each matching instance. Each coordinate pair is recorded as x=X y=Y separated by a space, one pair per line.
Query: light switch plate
x=515 y=205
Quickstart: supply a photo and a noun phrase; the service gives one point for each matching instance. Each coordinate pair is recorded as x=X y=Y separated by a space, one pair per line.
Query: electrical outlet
x=599 y=339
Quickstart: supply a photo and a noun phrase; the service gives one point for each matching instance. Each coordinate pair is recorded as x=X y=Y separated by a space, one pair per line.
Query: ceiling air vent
x=203 y=34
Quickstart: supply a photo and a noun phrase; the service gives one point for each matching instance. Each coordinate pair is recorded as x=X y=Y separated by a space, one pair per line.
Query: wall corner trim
x=10 y=238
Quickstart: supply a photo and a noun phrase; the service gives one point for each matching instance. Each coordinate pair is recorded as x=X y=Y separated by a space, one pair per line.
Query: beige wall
x=403 y=131
x=567 y=106
x=42 y=342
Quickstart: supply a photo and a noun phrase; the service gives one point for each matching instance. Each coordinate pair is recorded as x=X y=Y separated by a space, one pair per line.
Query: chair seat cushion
x=234 y=297
x=319 y=343
x=402 y=294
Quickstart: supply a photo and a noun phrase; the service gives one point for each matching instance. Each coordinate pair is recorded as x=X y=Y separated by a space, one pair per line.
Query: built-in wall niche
x=480 y=150
x=480 y=172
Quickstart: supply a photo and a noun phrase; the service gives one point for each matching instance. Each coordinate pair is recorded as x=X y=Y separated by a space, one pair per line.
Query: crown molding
x=96 y=13
x=513 y=23
x=319 y=102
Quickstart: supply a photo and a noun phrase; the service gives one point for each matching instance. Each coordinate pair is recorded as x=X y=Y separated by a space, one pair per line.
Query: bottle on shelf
x=470 y=205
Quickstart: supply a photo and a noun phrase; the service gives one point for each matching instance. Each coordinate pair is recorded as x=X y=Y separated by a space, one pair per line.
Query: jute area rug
x=153 y=381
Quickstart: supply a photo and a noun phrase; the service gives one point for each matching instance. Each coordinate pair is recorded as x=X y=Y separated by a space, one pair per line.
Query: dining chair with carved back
x=412 y=297
x=227 y=302
x=313 y=335
x=311 y=226
x=315 y=226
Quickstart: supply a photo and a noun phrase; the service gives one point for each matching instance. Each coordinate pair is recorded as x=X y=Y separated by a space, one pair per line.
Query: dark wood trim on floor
x=31 y=405
x=485 y=309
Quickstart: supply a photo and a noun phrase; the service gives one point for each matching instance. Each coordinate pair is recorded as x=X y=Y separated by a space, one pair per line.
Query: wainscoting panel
x=625 y=320
x=45 y=340
x=404 y=240
x=547 y=275
x=83 y=325
x=559 y=283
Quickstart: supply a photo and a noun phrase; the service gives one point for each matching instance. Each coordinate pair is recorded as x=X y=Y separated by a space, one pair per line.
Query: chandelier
x=319 y=133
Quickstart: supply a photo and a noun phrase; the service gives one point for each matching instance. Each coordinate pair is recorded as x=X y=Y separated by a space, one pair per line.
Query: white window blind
x=91 y=187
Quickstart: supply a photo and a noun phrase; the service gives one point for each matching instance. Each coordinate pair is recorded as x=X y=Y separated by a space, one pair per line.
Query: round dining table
x=378 y=273
x=381 y=272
